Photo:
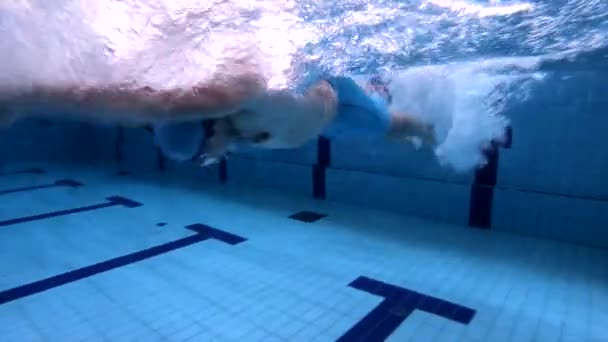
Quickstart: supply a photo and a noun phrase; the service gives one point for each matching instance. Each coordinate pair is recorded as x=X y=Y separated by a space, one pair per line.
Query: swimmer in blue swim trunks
x=277 y=120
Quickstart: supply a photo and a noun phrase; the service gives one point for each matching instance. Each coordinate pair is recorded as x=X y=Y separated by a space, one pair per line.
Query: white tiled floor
x=288 y=281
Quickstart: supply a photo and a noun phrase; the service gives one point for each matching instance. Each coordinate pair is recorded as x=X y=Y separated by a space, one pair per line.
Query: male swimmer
x=242 y=109
x=280 y=119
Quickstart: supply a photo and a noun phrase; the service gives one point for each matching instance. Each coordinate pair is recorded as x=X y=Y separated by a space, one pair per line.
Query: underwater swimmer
x=242 y=112
x=280 y=119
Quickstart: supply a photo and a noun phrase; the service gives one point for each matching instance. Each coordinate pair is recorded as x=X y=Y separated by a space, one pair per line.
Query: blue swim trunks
x=358 y=112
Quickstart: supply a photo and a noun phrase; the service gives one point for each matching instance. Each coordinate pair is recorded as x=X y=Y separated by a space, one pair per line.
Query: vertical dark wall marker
x=396 y=307
x=508 y=138
x=120 y=140
x=324 y=151
x=482 y=189
x=482 y=192
x=223 y=170
x=319 y=190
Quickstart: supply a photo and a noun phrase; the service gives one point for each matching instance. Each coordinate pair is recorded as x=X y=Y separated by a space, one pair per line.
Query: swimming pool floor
x=89 y=255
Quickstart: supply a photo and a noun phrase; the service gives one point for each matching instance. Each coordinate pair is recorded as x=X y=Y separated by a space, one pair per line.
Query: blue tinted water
x=103 y=239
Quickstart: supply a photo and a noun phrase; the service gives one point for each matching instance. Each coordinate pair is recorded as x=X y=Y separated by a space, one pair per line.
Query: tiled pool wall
x=550 y=181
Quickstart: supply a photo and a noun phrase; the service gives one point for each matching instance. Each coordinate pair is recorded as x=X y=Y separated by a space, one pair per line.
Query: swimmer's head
x=179 y=141
x=378 y=85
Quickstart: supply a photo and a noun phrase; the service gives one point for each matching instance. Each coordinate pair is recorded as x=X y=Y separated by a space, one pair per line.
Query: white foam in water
x=464 y=101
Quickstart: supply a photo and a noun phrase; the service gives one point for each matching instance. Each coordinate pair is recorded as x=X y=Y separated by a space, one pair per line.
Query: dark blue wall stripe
x=223 y=170
x=118 y=143
x=482 y=189
x=203 y=233
x=508 y=138
x=21 y=172
x=324 y=151
x=396 y=307
x=482 y=192
x=112 y=201
x=319 y=187
x=59 y=183
x=160 y=159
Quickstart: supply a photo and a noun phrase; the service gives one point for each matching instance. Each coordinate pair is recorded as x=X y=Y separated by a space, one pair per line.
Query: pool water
x=104 y=239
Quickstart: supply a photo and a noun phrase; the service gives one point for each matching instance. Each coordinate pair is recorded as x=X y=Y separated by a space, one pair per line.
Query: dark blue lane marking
x=60 y=183
x=508 y=138
x=307 y=216
x=203 y=232
x=21 y=172
x=397 y=305
x=112 y=201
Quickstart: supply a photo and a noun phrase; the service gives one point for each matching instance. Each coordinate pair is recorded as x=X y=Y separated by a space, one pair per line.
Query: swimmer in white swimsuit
x=278 y=120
